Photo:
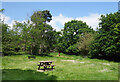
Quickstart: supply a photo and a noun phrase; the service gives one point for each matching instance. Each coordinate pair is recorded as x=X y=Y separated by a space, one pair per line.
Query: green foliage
x=106 y=44
x=1 y=10
x=36 y=37
x=6 y=39
x=61 y=45
x=73 y=29
x=42 y=33
x=73 y=50
x=40 y=17
x=84 y=42
x=71 y=32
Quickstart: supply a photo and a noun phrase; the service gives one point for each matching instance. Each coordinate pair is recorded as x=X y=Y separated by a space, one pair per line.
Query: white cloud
x=7 y=20
x=58 y=22
x=59 y=19
x=11 y=24
x=92 y=20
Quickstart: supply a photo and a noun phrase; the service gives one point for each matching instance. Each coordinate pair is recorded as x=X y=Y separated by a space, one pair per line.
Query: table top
x=45 y=61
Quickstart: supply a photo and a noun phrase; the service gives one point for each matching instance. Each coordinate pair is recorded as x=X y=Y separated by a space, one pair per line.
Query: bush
x=84 y=42
x=72 y=50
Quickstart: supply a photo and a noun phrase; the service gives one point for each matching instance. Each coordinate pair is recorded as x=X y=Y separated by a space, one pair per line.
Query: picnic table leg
x=44 y=68
x=39 y=67
x=52 y=67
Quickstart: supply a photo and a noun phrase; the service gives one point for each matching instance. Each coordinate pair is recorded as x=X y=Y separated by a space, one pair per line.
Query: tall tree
x=71 y=32
x=41 y=31
x=22 y=31
x=5 y=37
x=106 y=44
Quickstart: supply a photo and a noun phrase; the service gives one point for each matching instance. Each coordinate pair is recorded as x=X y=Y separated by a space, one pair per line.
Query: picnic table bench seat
x=45 y=65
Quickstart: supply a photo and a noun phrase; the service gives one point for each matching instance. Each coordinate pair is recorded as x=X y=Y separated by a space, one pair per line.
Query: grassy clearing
x=67 y=67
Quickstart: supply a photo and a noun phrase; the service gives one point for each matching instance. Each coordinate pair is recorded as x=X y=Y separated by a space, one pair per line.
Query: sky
x=62 y=12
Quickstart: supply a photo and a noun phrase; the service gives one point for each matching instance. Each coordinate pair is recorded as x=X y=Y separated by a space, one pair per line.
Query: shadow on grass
x=18 y=74
x=43 y=55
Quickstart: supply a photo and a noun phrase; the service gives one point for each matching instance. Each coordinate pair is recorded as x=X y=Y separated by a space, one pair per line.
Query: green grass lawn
x=68 y=67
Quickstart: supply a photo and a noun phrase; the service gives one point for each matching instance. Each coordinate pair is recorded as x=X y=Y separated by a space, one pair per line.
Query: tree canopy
x=35 y=36
x=106 y=44
x=71 y=32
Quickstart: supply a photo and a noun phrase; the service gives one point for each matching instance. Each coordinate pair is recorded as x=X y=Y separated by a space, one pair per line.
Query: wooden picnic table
x=45 y=64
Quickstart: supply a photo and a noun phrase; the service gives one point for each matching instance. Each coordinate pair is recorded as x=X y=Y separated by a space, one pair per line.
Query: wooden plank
x=47 y=65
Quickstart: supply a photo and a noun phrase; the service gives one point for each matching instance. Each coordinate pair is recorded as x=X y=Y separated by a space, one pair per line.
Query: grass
x=68 y=67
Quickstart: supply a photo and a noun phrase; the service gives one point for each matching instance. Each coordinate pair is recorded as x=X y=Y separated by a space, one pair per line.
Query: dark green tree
x=71 y=32
x=6 y=36
x=106 y=44
x=6 y=39
x=40 y=17
x=41 y=28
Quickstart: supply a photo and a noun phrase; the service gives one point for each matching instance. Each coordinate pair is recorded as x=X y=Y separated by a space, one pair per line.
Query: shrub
x=72 y=50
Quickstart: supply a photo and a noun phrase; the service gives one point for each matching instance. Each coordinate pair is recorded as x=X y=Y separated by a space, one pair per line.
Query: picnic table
x=45 y=64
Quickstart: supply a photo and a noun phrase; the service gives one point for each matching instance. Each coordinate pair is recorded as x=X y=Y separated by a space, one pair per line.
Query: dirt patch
x=69 y=60
x=106 y=64
x=92 y=64
x=104 y=70
x=81 y=62
x=74 y=61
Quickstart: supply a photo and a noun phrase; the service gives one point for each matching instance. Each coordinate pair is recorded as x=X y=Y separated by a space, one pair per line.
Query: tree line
x=37 y=37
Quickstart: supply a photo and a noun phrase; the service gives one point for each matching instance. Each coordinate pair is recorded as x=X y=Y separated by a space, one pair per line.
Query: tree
x=6 y=38
x=106 y=44
x=22 y=32
x=1 y=31
x=84 y=42
x=35 y=36
x=40 y=30
x=1 y=10
x=71 y=32
x=40 y=17
x=31 y=37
